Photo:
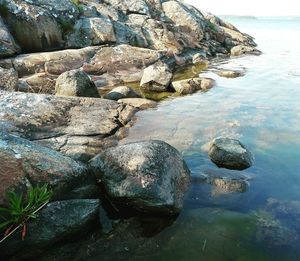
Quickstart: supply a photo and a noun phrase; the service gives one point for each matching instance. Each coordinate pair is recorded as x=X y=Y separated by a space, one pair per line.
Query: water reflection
x=261 y=109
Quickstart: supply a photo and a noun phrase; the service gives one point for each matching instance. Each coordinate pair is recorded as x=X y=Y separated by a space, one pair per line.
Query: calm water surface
x=262 y=109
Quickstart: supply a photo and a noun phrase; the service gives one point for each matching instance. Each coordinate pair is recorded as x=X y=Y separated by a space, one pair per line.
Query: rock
x=91 y=31
x=24 y=163
x=58 y=222
x=131 y=6
x=188 y=18
x=8 y=79
x=287 y=211
x=242 y=49
x=230 y=73
x=8 y=46
x=224 y=186
x=77 y=127
x=273 y=234
x=156 y=77
x=37 y=83
x=121 y=92
x=192 y=85
x=32 y=26
x=139 y=103
x=147 y=175
x=75 y=83
x=54 y=63
x=230 y=153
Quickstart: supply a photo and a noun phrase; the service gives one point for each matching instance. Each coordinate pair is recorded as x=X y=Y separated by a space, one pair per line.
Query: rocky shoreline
x=73 y=75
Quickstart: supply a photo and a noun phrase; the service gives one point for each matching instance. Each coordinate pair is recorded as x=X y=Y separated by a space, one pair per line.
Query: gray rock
x=156 y=77
x=242 y=49
x=8 y=46
x=187 y=17
x=139 y=103
x=76 y=83
x=8 y=79
x=57 y=222
x=230 y=73
x=230 y=153
x=77 y=127
x=91 y=31
x=121 y=92
x=32 y=26
x=148 y=175
x=25 y=163
x=192 y=85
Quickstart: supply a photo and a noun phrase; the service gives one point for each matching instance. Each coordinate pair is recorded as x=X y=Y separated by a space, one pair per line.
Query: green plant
x=212 y=26
x=20 y=209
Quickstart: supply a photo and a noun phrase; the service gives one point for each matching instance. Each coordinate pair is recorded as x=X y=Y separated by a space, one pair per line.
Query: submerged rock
x=57 y=222
x=242 y=49
x=156 y=78
x=192 y=85
x=76 y=83
x=230 y=153
x=139 y=103
x=148 y=175
x=121 y=92
x=230 y=73
x=24 y=163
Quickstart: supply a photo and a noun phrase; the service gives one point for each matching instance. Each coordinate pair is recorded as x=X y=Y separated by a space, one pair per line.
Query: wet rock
x=121 y=92
x=76 y=83
x=57 y=222
x=8 y=79
x=8 y=46
x=148 y=175
x=156 y=77
x=230 y=73
x=91 y=31
x=242 y=49
x=230 y=153
x=75 y=126
x=139 y=103
x=24 y=163
x=192 y=85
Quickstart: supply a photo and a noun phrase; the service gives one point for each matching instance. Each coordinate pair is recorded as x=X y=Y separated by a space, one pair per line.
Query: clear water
x=262 y=109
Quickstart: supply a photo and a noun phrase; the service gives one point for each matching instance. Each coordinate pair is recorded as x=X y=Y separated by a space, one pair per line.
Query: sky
x=250 y=7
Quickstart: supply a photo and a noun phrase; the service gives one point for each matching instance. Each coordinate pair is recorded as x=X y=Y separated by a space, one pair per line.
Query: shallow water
x=262 y=109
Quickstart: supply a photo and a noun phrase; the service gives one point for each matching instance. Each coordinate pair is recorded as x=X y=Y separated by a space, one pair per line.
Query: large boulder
x=33 y=26
x=147 y=175
x=91 y=31
x=230 y=153
x=8 y=46
x=75 y=126
x=76 y=83
x=121 y=92
x=230 y=73
x=188 y=18
x=156 y=77
x=58 y=222
x=25 y=163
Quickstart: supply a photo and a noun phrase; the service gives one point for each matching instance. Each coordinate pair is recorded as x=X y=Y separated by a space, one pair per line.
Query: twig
x=204 y=245
x=20 y=225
